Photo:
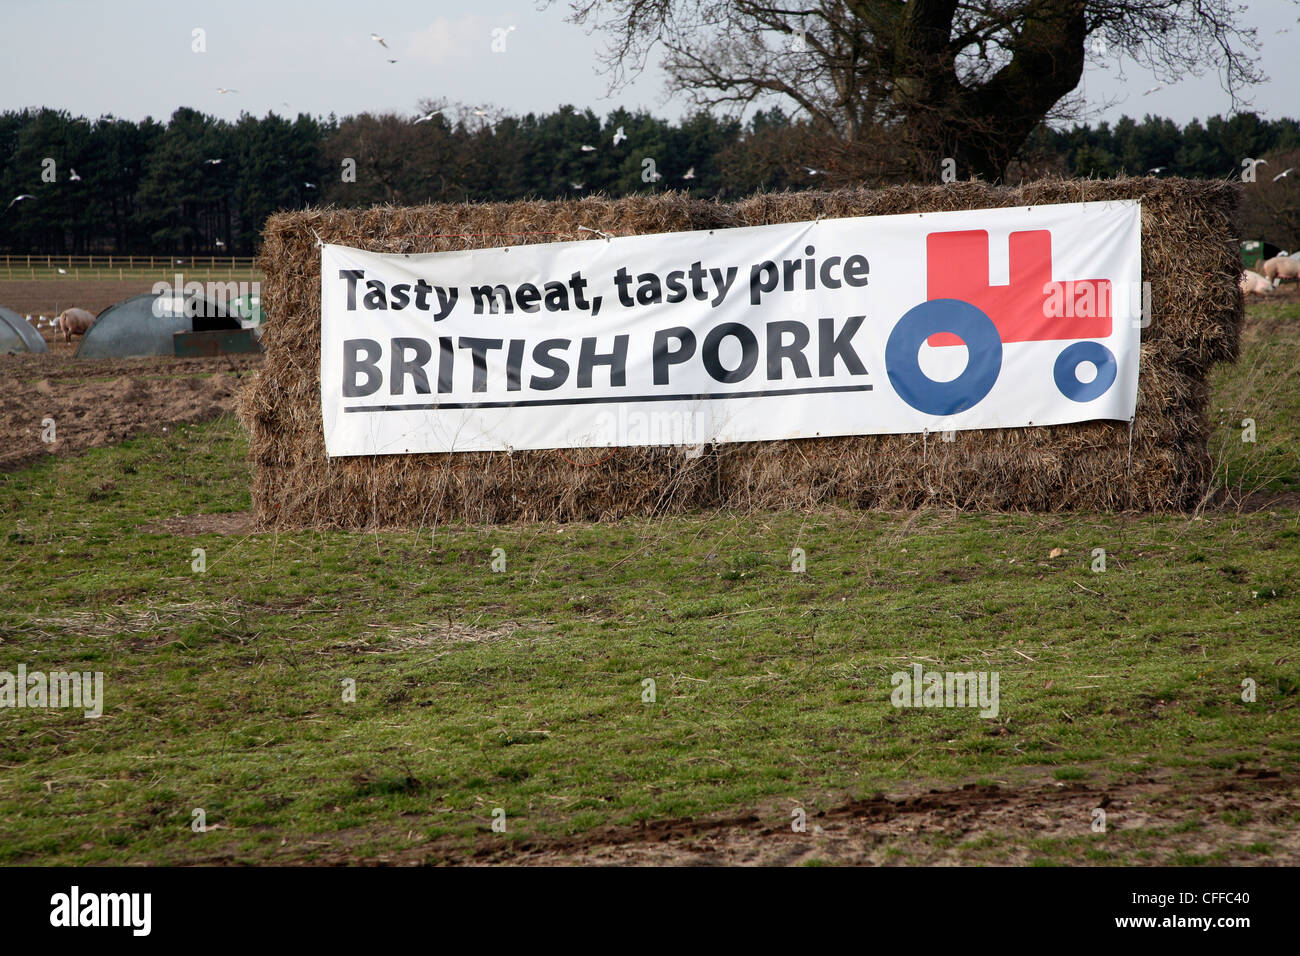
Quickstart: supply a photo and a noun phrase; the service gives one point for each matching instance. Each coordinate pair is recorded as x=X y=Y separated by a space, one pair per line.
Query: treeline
x=202 y=185
x=1213 y=150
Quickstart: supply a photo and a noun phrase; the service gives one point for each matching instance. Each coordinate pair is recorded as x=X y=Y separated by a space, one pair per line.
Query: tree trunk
x=982 y=127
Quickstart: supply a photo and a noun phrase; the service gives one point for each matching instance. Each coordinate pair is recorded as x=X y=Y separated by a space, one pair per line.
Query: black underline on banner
x=607 y=399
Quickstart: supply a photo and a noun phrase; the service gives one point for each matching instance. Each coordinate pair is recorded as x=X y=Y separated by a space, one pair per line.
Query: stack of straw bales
x=1188 y=255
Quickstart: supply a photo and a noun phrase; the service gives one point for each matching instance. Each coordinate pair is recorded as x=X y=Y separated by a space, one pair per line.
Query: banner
x=933 y=322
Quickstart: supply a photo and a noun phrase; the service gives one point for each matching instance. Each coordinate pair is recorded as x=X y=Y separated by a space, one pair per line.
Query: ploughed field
x=49 y=297
x=652 y=690
x=99 y=401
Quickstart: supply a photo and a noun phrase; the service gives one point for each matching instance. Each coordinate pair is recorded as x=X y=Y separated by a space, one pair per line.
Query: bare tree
x=896 y=86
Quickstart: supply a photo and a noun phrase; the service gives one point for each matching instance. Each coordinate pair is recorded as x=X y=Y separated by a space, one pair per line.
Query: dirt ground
x=49 y=298
x=1230 y=814
x=103 y=401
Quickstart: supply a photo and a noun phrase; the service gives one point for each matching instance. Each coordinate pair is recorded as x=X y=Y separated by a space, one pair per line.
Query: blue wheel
x=983 y=356
x=1067 y=366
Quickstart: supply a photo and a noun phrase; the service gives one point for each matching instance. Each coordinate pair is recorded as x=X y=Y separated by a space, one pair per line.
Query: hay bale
x=1192 y=263
x=1188 y=256
x=295 y=484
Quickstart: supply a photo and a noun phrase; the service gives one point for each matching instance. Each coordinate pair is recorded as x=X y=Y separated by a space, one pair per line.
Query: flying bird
x=656 y=176
x=222 y=89
x=19 y=199
x=619 y=136
x=213 y=162
x=815 y=172
x=480 y=111
x=1155 y=89
x=577 y=185
x=378 y=39
x=219 y=244
x=309 y=185
x=689 y=174
x=392 y=61
x=1156 y=171
x=428 y=116
x=74 y=177
x=587 y=149
x=1284 y=173
x=63 y=272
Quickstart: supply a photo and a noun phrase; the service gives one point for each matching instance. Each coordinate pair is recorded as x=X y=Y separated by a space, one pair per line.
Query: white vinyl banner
x=990 y=318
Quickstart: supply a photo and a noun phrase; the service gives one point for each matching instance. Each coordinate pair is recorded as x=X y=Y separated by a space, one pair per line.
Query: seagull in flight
x=309 y=185
x=19 y=199
x=815 y=172
x=1284 y=173
x=1157 y=170
x=392 y=61
x=689 y=174
x=428 y=116
x=74 y=177
x=1155 y=89
x=213 y=162
x=577 y=185
x=587 y=149
x=619 y=136
x=378 y=39
x=222 y=89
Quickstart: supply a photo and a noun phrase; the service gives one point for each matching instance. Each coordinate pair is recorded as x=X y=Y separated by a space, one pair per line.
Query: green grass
x=1263 y=386
x=523 y=690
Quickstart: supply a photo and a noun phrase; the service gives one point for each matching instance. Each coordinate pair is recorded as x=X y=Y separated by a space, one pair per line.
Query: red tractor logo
x=962 y=307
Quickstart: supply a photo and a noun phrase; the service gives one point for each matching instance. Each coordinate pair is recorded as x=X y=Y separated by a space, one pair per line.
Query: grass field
x=524 y=689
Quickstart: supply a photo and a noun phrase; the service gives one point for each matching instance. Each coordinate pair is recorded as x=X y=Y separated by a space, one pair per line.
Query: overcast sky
x=133 y=58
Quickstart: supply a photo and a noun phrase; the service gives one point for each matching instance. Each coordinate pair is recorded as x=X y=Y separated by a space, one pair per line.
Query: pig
x=74 y=322
x=1252 y=283
x=1287 y=269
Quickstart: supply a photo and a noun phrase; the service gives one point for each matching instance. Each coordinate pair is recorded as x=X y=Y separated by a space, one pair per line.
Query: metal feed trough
x=217 y=342
x=147 y=325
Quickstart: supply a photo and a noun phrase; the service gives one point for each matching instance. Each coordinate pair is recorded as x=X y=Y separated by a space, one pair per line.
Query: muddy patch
x=1243 y=818
x=58 y=405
